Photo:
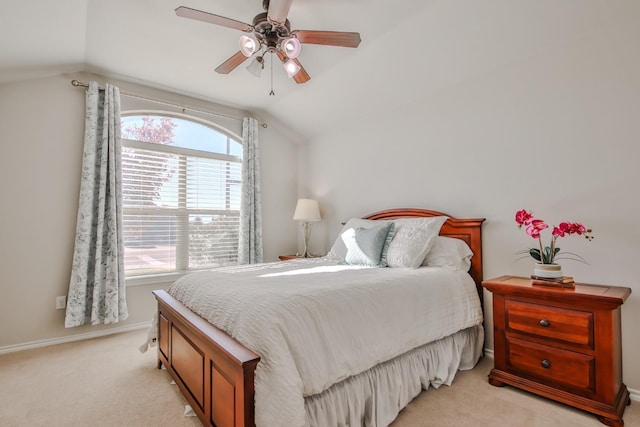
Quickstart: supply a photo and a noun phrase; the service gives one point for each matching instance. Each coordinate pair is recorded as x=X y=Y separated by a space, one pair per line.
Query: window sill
x=153 y=278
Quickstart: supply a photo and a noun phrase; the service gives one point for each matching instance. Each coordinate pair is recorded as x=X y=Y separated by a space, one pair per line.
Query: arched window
x=181 y=181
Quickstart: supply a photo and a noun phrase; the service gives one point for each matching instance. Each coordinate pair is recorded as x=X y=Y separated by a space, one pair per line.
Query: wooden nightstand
x=561 y=343
x=289 y=257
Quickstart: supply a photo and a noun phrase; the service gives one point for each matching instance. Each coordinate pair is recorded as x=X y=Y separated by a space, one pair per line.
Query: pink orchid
x=536 y=226
x=523 y=218
x=547 y=254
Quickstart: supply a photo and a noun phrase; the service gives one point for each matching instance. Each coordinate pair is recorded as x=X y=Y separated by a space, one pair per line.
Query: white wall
x=555 y=131
x=41 y=140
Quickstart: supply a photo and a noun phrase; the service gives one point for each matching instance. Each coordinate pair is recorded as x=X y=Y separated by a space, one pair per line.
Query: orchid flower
x=547 y=254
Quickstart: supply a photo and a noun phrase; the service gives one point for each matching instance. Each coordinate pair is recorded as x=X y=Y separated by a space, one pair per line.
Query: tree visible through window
x=181 y=195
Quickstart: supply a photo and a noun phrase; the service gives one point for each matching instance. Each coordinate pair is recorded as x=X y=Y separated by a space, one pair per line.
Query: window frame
x=182 y=212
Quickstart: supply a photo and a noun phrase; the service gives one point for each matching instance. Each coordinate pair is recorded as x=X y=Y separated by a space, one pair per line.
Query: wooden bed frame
x=215 y=373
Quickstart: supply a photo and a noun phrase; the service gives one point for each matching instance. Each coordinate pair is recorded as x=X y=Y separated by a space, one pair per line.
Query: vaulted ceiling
x=409 y=48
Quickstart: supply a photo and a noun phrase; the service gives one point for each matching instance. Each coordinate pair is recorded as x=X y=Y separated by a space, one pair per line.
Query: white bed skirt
x=375 y=397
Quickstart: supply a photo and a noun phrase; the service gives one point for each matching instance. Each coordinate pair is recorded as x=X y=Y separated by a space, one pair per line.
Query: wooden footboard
x=214 y=372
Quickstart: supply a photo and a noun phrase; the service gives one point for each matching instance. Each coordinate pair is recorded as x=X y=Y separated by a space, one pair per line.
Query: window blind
x=180 y=208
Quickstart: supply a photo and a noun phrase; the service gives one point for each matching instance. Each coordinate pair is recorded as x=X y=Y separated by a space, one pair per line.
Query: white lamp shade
x=291 y=67
x=307 y=210
x=291 y=47
x=249 y=44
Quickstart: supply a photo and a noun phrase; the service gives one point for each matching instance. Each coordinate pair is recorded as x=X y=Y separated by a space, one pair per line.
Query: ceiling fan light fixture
x=249 y=44
x=291 y=67
x=291 y=47
x=271 y=33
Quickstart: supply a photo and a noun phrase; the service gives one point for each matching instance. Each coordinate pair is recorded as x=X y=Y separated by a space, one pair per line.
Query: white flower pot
x=547 y=270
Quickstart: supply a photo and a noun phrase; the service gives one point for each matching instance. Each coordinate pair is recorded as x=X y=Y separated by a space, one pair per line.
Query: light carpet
x=107 y=382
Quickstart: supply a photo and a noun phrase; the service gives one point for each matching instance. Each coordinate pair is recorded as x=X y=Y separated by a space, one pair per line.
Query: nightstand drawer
x=554 y=366
x=569 y=326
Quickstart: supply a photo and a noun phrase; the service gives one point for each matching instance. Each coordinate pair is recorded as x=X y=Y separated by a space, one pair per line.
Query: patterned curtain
x=250 y=244
x=97 y=289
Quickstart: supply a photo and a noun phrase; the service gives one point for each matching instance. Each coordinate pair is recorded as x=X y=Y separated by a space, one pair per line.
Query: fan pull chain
x=272 y=93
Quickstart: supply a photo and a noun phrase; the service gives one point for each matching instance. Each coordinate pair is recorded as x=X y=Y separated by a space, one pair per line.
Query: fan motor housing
x=262 y=25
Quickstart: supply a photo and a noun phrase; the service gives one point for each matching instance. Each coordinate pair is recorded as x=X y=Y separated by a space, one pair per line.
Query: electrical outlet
x=61 y=302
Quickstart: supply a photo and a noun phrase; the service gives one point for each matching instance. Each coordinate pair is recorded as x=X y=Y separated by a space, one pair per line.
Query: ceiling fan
x=271 y=32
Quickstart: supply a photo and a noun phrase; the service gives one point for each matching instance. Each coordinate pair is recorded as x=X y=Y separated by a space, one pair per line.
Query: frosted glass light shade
x=249 y=44
x=256 y=66
x=291 y=67
x=291 y=47
x=307 y=210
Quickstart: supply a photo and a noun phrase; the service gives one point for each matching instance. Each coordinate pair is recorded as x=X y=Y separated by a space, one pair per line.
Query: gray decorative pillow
x=338 y=251
x=367 y=246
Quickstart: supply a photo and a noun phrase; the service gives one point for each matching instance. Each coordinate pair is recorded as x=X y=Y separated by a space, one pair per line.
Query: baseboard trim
x=71 y=338
x=633 y=394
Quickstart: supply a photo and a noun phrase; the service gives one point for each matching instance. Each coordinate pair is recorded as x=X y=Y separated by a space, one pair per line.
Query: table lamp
x=307 y=211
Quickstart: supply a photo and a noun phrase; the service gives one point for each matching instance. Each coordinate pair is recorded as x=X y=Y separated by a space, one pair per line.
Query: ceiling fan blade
x=301 y=76
x=187 y=12
x=328 y=38
x=230 y=64
x=278 y=10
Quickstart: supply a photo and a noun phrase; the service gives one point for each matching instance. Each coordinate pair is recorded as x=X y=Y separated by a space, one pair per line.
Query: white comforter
x=315 y=323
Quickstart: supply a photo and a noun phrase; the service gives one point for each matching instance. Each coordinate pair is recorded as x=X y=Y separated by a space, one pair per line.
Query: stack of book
x=560 y=282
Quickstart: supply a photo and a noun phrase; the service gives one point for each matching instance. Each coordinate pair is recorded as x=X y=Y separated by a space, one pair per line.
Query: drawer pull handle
x=544 y=323
x=545 y=363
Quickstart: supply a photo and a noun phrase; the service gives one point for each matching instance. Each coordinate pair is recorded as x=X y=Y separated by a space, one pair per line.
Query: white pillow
x=413 y=240
x=449 y=252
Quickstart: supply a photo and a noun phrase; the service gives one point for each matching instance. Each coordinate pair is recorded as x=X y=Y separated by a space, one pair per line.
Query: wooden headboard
x=467 y=229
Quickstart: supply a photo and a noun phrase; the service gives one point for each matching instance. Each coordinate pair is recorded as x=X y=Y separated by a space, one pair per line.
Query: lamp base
x=308 y=255
x=306 y=231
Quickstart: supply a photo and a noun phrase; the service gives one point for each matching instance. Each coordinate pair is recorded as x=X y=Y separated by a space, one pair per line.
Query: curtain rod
x=77 y=83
